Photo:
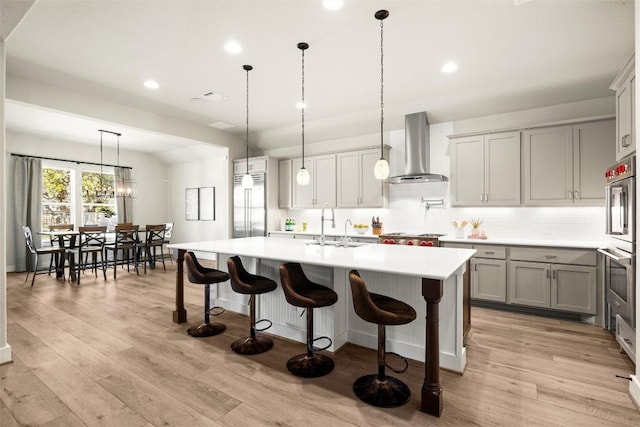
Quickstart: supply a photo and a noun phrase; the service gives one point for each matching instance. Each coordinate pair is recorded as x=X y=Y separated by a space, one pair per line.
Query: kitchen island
x=402 y=272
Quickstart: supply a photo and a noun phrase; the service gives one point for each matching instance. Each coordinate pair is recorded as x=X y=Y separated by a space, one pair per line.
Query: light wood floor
x=107 y=353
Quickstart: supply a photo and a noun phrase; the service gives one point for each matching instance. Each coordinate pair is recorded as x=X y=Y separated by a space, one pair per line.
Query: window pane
x=56 y=197
x=97 y=197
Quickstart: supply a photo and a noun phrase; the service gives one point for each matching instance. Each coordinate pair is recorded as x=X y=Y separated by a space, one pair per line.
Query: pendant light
x=381 y=169
x=303 y=174
x=247 y=180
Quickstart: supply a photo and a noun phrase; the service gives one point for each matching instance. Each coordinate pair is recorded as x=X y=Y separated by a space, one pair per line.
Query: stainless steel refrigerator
x=249 y=207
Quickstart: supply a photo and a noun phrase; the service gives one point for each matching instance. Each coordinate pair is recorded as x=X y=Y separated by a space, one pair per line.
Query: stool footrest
x=262 y=329
x=314 y=348
x=216 y=311
x=404 y=359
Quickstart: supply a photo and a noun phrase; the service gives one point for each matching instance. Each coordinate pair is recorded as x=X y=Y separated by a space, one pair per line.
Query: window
x=56 y=197
x=98 y=198
x=76 y=194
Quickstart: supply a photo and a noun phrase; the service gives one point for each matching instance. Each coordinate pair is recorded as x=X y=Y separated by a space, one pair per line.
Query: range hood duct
x=416 y=152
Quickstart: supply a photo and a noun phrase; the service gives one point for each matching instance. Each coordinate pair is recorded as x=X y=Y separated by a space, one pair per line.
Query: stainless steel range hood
x=416 y=154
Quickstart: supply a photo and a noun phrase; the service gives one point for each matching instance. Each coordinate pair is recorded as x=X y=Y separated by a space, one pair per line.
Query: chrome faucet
x=345 y=239
x=322 y=220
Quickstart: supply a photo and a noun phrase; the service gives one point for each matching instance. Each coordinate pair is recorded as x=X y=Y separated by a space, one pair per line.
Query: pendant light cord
x=303 y=108
x=247 y=128
x=381 y=90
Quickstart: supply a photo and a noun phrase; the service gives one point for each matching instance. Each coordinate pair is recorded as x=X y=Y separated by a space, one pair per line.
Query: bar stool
x=380 y=390
x=204 y=276
x=246 y=283
x=301 y=292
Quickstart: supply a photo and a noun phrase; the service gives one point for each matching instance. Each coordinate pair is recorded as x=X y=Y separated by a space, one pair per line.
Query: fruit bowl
x=360 y=228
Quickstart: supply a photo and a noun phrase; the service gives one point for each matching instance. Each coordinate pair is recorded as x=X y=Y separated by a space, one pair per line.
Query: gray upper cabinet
x=284 y=184
x=485 y=170
x=357 y=185
x=322 y=186
x=563 y=165
x=625 y=87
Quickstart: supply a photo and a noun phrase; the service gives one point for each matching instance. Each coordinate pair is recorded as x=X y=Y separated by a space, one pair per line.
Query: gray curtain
x=124 y=203
x=27 y=205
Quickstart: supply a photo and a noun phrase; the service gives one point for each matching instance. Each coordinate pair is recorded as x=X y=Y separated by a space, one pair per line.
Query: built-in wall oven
x=620 y=254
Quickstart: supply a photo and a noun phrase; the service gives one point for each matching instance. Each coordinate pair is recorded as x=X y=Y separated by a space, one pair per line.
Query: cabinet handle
x=547 y=273
x=482 y=197
x=576 y=195
x=550 y=256
x=570 y=195
x=628 y=341
x=486 y=197
x=617 y=304
x=554 y=274
x=625 y=140
x=489 y=252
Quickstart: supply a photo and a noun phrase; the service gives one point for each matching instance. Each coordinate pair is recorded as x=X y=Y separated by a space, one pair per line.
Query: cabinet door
x=489 y=279
x=303 y=195
x=573 y=288
x=624 y=115
x=324 y=180
x=284 y=184
x=371 y=189
x=467 y=171
x=502 y=169
x=349 y=175
x=529 y=284
x=548 y=166
x=593 y=152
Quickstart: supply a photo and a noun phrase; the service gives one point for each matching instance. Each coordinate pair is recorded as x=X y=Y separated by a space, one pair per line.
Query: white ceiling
x=510 y=58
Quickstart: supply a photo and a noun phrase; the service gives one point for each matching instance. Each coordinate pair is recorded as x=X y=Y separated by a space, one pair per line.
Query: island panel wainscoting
x=433 y=274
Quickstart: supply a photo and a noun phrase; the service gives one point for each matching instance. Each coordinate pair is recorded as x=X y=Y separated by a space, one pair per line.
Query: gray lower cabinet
x=560 y=287
x=489 y=279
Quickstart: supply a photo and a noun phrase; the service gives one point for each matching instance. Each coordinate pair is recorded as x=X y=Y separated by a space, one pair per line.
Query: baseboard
x=5 y=354
x=634 y=390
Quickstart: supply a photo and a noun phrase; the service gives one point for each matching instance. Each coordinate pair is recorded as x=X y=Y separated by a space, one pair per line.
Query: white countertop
x=585 y=244
x=332 y=233
x=434 y=263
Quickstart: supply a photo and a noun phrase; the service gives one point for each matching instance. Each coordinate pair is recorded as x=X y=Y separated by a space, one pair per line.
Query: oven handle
x=621 y=260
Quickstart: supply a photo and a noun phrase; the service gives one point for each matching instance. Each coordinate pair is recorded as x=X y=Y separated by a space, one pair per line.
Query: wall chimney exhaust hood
x=416 y=154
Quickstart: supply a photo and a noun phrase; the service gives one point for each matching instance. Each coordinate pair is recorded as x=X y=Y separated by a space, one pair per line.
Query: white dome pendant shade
x=381 y=169
x=303 y=177
x=247 y=180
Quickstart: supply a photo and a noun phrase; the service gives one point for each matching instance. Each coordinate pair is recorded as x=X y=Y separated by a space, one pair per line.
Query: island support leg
x=180 y=314
x=431 y=402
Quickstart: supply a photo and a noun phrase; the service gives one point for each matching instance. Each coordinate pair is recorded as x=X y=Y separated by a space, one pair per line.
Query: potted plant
x=475 y=224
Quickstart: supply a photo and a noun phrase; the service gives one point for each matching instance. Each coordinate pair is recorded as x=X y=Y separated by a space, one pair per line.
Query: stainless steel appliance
x=620 y=254
x=249 y=211
x=428 y=239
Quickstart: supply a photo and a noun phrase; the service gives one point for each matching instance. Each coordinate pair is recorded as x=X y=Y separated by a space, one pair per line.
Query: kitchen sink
x=337 y=244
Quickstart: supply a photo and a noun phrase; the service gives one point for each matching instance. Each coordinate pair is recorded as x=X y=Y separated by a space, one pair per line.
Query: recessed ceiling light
x=151 y=84
x=301 y=105
x=220 y=125
x=449 y=67
x=333 y=4
x=233 y=46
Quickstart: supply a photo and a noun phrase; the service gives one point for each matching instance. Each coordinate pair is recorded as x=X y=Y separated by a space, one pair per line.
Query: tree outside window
x=56 y=197
x=98 y=199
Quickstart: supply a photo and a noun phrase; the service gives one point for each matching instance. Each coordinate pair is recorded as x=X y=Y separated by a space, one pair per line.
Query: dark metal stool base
x=313 y=366
x=387 y=393
x=249 y=346
x=202 y=329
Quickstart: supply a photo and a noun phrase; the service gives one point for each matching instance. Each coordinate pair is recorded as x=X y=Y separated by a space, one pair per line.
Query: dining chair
x=168 y=230
x=52 y=251
x=147 y=249
x=60 y=241
x=126 y=244
x=92 y=242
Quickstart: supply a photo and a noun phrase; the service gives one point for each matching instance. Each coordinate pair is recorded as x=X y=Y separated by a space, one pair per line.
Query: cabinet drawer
x=626 y=337
x=494 y=252
x=553 y=255
x=456 y=245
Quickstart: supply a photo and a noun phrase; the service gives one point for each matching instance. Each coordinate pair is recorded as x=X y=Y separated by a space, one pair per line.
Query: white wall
x=149 y=207
x=201 y=173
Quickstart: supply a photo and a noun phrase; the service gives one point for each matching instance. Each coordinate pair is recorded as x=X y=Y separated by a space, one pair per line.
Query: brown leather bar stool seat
x=204 y=276
x=246 y=283
x=380 y=390
x=302 y=292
